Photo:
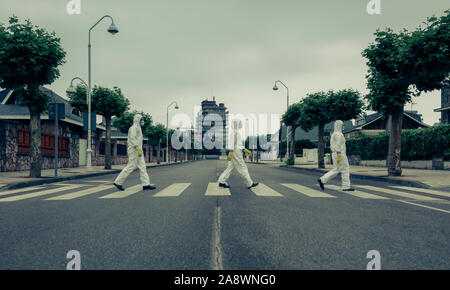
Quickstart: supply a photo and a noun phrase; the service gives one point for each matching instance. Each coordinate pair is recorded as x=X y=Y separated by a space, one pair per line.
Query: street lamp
x=167 y=128
x=113 y=30
x=275 y=88
x=71 y=91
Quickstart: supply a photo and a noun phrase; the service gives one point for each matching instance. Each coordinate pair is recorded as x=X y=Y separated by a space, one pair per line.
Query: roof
x=14 y=111
x=376 y=116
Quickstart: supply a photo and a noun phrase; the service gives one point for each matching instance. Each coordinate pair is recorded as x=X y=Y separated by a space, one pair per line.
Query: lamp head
x=113 y=29
x=275 y=88
x=176 y=106
x=71 y=90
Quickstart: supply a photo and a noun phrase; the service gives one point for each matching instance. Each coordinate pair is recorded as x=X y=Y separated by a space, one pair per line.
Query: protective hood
x=338 y=126
x=137 y=119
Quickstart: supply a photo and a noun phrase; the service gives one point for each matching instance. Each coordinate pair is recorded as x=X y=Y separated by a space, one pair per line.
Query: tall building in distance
x=213 y=113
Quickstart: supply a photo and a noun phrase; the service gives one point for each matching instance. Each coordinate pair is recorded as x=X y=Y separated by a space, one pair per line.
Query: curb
x=80 y=176
x=411 y=183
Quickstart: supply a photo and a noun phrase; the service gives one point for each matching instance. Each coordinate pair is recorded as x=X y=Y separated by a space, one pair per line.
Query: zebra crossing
x=69 y=191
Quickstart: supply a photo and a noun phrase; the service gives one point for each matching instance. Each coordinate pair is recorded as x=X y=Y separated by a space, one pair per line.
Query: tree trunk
x=158 y=154
x=292 y=147
x=395 y=144
x=321 y=147
x=108 y=143
x=35 y=158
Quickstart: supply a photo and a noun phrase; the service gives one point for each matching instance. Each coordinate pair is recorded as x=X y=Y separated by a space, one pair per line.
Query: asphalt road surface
x=188 y=223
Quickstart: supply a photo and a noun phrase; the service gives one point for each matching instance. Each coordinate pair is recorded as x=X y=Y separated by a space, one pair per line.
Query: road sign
x=61 y=111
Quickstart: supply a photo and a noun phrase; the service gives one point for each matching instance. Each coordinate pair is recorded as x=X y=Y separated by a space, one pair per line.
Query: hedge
x=417 y=144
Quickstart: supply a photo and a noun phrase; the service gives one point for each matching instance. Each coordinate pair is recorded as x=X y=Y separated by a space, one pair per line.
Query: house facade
x=72 y=138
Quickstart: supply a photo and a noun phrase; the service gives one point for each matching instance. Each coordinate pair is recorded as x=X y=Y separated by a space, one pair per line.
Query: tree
x=125 y=121
x=156 y=135
x=292 y=118
x=108 y=103
x=321 y=108
x=29 y=58
x=401 y=65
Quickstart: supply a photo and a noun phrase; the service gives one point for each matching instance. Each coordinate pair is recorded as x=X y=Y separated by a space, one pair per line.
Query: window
x=47 y=143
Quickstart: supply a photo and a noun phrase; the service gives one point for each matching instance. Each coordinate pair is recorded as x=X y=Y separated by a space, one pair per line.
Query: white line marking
x=357 y=193
x=216 y=245
x=39 y=193
x=127 y=192
x=263 y=190
x=424 y=190
x=20 y=190
x=214 y=190
x=81 y=193
x=399 y=193
x=421 y=205
x=173 y=190
x=307 y=191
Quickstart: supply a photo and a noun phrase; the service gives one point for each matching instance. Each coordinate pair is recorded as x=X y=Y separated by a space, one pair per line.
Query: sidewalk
x=410 y=177
x=18 y=179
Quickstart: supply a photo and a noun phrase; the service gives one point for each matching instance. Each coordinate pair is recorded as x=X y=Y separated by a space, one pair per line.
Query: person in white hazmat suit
x=236 y=160
x=340 y=161
x=135 y=156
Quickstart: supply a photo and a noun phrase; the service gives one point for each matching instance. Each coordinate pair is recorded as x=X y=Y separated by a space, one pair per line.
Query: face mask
x=142 y=122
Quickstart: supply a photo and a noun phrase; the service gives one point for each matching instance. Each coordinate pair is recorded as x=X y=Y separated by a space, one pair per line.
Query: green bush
x=417 y=144
x=290 y=161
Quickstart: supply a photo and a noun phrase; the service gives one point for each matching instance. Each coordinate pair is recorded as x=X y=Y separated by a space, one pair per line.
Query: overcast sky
x=190 y=50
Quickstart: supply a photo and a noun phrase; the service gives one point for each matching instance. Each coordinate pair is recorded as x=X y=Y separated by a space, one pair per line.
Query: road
x=187 y=223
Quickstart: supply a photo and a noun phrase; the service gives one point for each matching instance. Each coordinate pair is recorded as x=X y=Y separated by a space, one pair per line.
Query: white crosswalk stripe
x=399 y=193
x=127 y=192
x=307 y=191
x=81 y=193
x=357 y=193
x=173 y=190
x=214 y=190
x=424 y=190
x=264 y=190
x=39 y=193
x=31 y=188
x=20 y=190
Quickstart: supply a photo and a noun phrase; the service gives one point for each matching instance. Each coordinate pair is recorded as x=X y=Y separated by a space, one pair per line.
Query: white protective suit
x=237 y=160
x=337 y=144
x=134 y=160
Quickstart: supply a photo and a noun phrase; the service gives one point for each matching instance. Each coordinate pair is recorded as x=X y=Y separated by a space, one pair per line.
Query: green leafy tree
x=106 y=102
x=156 y=135
x=29 y=58
x=401 y=65
x=125 y=121
x=321 y=108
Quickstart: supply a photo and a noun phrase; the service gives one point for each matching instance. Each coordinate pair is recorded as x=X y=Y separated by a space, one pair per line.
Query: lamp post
x=71 y=90
x=275 y=88
x=167 y=129
x=113 y=30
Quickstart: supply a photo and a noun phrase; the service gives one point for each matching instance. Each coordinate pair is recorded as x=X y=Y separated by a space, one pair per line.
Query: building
x=209 y=116
x=72 y=138
x=445 y=106
x=375 y=124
